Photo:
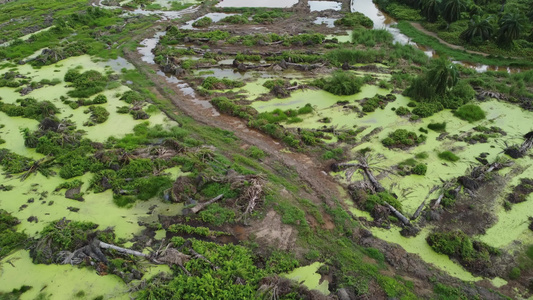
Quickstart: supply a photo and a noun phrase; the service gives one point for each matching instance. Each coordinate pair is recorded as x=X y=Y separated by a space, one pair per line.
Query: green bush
x=355 y=19
x=449 y=156
x=515 y=273
x=213 y=83
x=440 y=127
x=470 y=113
x=474 y=255
x=403 y=138
x=420 y=169
x=341 y=83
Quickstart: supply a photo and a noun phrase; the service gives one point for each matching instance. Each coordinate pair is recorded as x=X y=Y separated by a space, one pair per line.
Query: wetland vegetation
x=179 y=149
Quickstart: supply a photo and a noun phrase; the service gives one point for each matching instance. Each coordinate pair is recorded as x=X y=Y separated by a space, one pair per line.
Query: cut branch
x=398 y=214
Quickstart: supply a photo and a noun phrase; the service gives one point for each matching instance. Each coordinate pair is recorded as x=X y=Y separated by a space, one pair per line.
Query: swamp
x=228 y=149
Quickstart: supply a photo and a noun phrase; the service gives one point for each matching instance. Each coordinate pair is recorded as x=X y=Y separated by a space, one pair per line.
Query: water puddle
x=117 y=64
x=148 y=45
x=215 y=17
x=329 y=22
x=163 y=14
x=324 y=5
x=309 y=277
x=257 y=3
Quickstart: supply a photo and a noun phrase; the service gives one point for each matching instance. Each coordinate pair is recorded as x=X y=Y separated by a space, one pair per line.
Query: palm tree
x=511 y=26
x=430 y=9
x=452 y=10
x=478 y=28
x=443 y=75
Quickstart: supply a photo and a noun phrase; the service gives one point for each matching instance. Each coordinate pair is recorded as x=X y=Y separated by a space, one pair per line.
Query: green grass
x=460 y=55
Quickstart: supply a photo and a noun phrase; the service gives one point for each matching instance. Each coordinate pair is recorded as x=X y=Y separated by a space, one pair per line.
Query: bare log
x=437 y=203
x=398 y=214
x=198 y=207
x=122 y=250
x=418 y=210
x=373 y=180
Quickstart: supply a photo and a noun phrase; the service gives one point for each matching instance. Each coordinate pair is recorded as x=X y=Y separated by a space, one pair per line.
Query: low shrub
x=203 y=22
x=470 y=113
x=401 y=138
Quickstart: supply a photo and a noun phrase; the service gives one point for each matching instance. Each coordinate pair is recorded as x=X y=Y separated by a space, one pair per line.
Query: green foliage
x=30 y=108
x=354 y=20
x=199 y=230
x=213 y=83
x=14 y=163
x=401 y=138
x=402 y=111
x=371 y=104
x=69 y=185
x=203 y=22
x=420 y=169
x=473 y=255
x=371 y=201
x=233 y=261
x=235 y=19
x=427 y=109
x=341 y=83
x=371 y=38
x=62 y=235
x=440 y=127
x=255 y=152
x=87 y=83
x=217 y=215
x=515 y=273
x=10 y=239
x=470 y=113
x=448 y=156
x=98 y=115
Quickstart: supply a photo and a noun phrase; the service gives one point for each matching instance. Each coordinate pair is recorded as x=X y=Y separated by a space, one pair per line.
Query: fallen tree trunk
x=418 y=210
x=398 y=214
x=437 y=203
x=198 y=207
x=122 y=250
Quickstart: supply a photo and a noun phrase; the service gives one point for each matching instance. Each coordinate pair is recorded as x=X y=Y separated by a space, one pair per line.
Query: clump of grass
x=470 y=113
x=449 y=156
x=255 y=152
x=203 y=22
x=355 y=19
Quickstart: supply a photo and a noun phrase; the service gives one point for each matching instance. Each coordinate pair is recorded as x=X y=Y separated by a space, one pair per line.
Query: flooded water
x=215 y=17
x=329 y=22
x=257 y=3
x=324 y=5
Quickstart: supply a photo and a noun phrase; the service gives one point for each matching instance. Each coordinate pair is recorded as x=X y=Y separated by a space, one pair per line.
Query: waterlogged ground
x=36 y=196
x=412 y=190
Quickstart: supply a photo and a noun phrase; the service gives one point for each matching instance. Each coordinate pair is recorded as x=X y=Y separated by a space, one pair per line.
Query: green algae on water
x=310 y=278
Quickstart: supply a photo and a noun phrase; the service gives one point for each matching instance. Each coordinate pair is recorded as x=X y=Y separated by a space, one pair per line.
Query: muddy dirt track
x=310 y=169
